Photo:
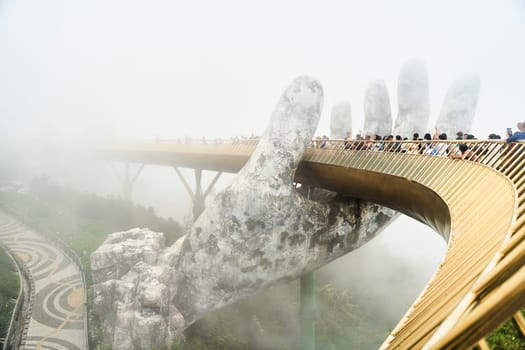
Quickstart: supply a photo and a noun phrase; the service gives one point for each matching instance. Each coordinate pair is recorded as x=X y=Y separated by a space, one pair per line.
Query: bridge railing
x=496 y=154
x=10 y=340
x=202 y=141
x=21 y=316
x=488 y=150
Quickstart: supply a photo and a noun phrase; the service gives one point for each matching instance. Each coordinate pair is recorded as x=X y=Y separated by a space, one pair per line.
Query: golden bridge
x=476 y=205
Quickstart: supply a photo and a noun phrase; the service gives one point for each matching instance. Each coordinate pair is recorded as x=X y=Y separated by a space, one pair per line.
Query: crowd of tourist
x=236 y=140
x=429 y=144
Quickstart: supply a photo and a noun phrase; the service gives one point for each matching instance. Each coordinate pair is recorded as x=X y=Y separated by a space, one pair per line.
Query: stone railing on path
x=21 y=312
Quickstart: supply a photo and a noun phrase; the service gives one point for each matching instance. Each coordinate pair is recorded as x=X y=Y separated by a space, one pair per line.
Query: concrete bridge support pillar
x=197 y=196
x=127 y=181
x=307 y=306
x=307 y=312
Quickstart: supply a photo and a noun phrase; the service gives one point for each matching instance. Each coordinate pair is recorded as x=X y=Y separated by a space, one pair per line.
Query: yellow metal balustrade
x=477 y=205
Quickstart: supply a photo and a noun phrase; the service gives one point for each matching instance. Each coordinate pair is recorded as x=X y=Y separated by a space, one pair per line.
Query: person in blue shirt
x=518 y=135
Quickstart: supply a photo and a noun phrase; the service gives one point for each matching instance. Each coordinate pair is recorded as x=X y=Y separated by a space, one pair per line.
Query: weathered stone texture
x=459 y=106
x=132 y=292
x=341 y=120
x=378 y=114
x=123 y=250
x=413 y=99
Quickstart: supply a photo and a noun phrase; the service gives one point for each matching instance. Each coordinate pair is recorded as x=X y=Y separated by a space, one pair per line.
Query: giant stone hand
x=457 y=111
x=256 y=232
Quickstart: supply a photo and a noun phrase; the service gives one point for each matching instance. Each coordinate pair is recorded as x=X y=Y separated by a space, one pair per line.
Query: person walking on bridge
x=513 y=152
x=518 y=135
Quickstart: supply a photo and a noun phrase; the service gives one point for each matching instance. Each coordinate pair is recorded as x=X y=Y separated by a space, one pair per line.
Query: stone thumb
x=290 y=130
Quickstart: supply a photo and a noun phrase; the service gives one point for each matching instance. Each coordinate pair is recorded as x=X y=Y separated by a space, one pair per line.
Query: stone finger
x=413 y=99
x=459 y=106
x=340 y=120
x=290 y=130
x=378 y=114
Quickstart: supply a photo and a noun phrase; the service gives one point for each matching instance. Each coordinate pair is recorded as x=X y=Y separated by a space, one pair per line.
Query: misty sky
x=140 y=69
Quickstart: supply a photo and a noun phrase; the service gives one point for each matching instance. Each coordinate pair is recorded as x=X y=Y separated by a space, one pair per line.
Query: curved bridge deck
x=57 y=314
x=477 y=206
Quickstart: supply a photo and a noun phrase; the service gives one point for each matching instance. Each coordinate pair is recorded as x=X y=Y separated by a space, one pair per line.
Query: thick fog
x=78 y=74
x=140 y=69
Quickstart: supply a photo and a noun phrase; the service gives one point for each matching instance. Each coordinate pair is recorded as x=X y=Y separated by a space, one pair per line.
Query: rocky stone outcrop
x=378 y=114
x=459 y=106
x=123 y=250
x=413 y=99
x=256 y=232
x=340 y=120
x=133 y=292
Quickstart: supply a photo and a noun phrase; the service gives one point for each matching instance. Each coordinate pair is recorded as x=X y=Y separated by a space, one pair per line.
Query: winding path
x=58 y=312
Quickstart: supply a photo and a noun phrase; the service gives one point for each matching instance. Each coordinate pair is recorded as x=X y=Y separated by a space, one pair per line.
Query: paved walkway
x=57 y=318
